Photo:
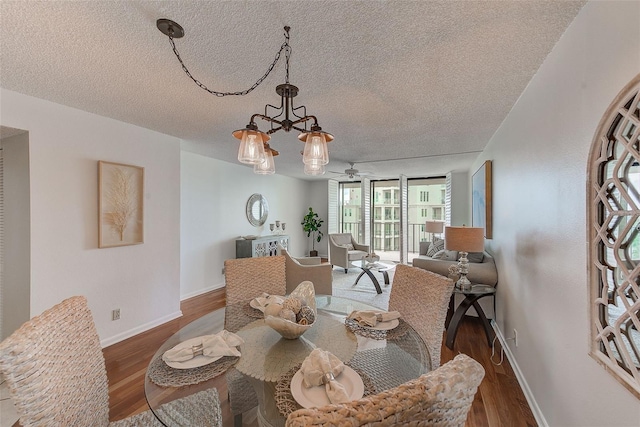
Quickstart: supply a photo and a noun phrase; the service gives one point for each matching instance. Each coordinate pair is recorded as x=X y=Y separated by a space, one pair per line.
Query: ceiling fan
x=351 y=172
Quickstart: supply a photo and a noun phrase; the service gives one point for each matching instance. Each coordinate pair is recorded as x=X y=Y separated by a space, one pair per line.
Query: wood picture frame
x=481 y=199
x=120 y=204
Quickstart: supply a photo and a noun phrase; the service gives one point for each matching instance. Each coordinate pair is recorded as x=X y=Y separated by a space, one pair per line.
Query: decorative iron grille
x=614 y=238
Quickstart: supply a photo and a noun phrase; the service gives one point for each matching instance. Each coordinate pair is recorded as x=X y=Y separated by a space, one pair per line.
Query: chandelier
x=254 y=144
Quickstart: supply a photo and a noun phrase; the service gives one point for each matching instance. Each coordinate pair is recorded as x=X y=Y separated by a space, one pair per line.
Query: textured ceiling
x=429 y=81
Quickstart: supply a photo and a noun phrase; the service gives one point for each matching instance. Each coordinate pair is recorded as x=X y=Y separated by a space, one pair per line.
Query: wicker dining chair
x=440 y=398
x=247 y=278
x=56 y=375
x=422 y=298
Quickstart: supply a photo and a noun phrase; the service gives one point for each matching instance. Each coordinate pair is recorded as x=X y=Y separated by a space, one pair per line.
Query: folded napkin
x=223 y=343
x=265 y=299
x=322 y=367
x=372 y=317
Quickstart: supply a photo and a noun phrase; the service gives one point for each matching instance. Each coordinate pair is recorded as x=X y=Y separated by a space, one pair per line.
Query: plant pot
x=313 y=253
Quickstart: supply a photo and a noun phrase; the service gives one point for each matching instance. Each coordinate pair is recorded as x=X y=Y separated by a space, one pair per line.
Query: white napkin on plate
x=223 y=343
x=323 y=367
x=265 y=299
x=372 y=317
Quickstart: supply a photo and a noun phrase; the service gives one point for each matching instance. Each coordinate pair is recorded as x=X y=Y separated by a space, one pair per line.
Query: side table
x=471 y=299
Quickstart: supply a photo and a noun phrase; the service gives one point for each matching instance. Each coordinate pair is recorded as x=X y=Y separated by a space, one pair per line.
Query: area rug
x=364 y=291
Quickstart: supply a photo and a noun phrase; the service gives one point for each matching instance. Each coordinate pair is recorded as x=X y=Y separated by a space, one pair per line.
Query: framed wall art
x=481 y=199
x=120 y=204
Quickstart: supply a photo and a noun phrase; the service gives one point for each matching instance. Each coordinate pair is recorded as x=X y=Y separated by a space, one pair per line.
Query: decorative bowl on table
x=372 y=258
x=297 y=313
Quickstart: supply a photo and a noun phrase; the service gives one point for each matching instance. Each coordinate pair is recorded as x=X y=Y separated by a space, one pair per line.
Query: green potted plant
x=311 y=223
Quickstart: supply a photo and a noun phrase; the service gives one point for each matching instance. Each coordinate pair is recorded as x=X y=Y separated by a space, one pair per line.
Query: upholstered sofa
x=484 y=272
x=343 y=250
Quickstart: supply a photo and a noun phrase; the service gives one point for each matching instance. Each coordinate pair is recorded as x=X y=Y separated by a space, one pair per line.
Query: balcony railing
x=415 y=236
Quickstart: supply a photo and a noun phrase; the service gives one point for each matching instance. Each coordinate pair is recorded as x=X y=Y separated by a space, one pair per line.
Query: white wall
x=65 y=146
x=539 y=207
x=213 y=200
x=17 y=246
x=460 y=204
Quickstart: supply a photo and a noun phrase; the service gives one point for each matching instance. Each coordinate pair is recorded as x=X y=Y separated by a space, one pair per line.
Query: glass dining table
x=383 y=358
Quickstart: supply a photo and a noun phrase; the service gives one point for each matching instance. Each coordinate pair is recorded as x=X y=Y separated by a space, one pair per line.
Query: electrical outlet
x=515 y=337
x=115 y=314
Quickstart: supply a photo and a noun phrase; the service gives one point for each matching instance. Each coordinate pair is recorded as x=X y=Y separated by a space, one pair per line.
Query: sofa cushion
x=475 y=257
x=446 y=255
x=341 y=239
x=435 y=246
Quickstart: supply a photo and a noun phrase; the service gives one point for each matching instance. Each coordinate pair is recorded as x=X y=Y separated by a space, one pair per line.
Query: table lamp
x=433 y=227
x=464 y=240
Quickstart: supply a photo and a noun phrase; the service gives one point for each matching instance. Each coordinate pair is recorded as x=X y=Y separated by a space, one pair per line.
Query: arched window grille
x=614 y=238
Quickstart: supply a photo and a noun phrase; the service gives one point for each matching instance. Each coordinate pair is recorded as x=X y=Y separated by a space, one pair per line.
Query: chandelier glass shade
x=268 y=166
x=254 y=148
x=313 y=169
x=252 y=142
x=315 y=151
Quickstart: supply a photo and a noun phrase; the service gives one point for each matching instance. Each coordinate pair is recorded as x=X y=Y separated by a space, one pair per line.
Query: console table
x=261 y=246
x=471 y=300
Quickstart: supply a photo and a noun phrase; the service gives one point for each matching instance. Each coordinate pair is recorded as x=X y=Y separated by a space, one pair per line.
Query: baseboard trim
x=140 y=329
x=537 y=412
x=201 y=291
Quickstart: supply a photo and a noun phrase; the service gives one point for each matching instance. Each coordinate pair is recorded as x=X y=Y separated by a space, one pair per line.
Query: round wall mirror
x=257 y=210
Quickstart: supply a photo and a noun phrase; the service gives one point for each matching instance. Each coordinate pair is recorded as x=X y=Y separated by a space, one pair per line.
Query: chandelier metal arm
x=286 y=125
x=286 y=103
x=302 y=107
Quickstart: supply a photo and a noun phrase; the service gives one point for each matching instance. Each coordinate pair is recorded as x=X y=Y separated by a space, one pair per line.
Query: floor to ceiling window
x=426 y=202
x=349 y=212
x=385 y=206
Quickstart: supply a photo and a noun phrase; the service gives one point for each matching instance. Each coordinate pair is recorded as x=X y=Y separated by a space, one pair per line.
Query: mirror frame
x=263 y=205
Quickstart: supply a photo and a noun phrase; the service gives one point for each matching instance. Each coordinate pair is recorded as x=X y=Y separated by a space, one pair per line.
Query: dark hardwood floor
x=499 y=401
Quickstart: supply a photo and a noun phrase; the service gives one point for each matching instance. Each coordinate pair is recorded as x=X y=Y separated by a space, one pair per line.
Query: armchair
x=300 y=269
x=343 y=249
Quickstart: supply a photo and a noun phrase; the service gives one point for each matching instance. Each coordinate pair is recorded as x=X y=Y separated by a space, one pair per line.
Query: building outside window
x=437 y=213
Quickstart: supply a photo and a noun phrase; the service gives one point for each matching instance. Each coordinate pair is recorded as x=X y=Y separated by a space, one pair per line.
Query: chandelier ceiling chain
x=175 y=31
x=254 y=144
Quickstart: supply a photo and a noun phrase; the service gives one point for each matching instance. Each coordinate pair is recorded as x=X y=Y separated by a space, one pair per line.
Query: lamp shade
x=464 y=239
x=434 y=226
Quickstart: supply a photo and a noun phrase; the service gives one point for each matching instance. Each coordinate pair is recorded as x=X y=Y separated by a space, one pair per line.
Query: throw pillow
x=435 y=246
x=349 y=246
x=446 y=255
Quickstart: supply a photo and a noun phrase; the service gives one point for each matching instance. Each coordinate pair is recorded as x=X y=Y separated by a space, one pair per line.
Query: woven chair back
x=422 y=298
x=55 y=370
x=247 y=278
x=439 y=398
